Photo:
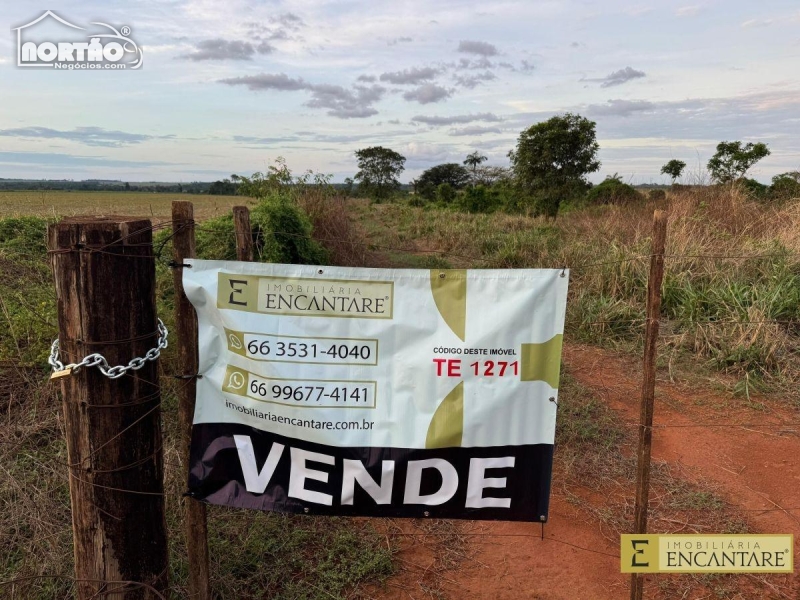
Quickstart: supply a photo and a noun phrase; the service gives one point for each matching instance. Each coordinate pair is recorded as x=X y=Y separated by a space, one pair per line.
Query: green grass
x=27 y=298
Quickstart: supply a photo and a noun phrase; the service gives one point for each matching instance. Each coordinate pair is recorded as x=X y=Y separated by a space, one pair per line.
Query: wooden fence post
x=648 y=385
x=183 y=246
x=104 y=272
x=244 y=233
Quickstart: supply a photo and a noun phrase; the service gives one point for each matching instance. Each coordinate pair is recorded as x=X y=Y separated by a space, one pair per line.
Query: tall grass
x=731 y=294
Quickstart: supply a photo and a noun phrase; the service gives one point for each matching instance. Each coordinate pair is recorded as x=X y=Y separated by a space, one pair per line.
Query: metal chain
x=99 y=361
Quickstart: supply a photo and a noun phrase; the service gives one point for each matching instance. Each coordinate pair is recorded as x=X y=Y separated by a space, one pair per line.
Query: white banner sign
x=376 y=373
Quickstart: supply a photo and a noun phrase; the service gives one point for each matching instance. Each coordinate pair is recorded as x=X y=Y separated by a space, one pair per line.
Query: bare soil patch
x=738 y=471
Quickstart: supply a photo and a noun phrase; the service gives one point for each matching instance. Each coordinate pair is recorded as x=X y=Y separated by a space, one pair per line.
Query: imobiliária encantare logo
x=106 y=47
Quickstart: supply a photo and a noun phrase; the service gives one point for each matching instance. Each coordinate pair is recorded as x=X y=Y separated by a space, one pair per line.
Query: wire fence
x=783 y=427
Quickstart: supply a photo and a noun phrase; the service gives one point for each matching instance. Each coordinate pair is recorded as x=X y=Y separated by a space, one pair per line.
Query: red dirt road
x=754 y=466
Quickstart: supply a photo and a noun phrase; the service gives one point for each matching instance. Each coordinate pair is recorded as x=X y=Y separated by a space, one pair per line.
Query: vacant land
x=726 y=396
x=157 y=206
x=727 y=413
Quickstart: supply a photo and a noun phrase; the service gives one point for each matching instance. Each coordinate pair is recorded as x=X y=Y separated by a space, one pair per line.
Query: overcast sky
x=226 y=87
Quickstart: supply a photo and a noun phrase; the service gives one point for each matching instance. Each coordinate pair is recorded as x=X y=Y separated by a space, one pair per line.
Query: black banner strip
x=510 y=483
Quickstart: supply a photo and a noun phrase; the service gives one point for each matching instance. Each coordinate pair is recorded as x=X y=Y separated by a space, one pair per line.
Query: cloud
x=346 y=104
x=89 y=136
x=526 y=66
x=620 y=108
x=427 y=93
x=219 y=49
x=278 y=27
x=266 y=141
x=456 y=119
x=399 y=40
x=474 y=130
x=411 y=76
x=367 y=78
x=688 y=11
x=472 y=81
x=473 y=47
x=637 y=11
x=267 y=81
x=421 y=155
x=480 y=63
x=51 y=159
x=300 y=136
x=757 y=23
x=619 y=77
x=288 y=19
x=343 y=103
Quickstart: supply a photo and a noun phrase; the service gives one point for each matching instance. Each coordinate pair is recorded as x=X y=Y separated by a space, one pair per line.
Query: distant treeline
x=105 y=185
x=223 y=187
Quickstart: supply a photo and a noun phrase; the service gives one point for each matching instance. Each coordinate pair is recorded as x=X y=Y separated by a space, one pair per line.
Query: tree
x=348 y=186
x=489 y=175
x=379 y=168
x=223 y=187
x=552 y=159
x=474 y=160
x=451 y=173
x=674 y=169
x=733 y=160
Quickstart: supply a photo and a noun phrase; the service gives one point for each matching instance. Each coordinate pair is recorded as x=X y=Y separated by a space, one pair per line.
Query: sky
x=228 y=87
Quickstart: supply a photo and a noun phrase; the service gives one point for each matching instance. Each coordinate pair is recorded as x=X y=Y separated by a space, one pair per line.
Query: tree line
x=548 y=167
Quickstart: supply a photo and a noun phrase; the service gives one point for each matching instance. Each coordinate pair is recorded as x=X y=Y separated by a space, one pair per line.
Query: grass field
x=156 y=206
x=731 y=297
x=730 y=322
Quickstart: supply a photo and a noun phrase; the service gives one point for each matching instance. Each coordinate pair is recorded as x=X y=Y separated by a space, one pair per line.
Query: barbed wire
x=136 y=584
x=257 y=233
x=114 y=372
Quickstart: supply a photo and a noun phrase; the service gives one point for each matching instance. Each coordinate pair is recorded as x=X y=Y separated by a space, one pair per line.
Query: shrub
x=657 y=195
x=754 y=189
x=479 y=199
x=281 y=232
x=445 y=193
x=331 y=226
x=450 y=173
x=612 y=191
x=23 y=236
x=785 y=186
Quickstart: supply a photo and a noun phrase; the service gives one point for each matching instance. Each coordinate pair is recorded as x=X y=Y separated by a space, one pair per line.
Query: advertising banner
x=376 y=392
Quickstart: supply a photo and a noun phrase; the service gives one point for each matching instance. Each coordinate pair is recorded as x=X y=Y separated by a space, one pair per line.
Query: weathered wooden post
x=104 y=272
x=183 y=246
x=648 y=385
x=244 y=233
